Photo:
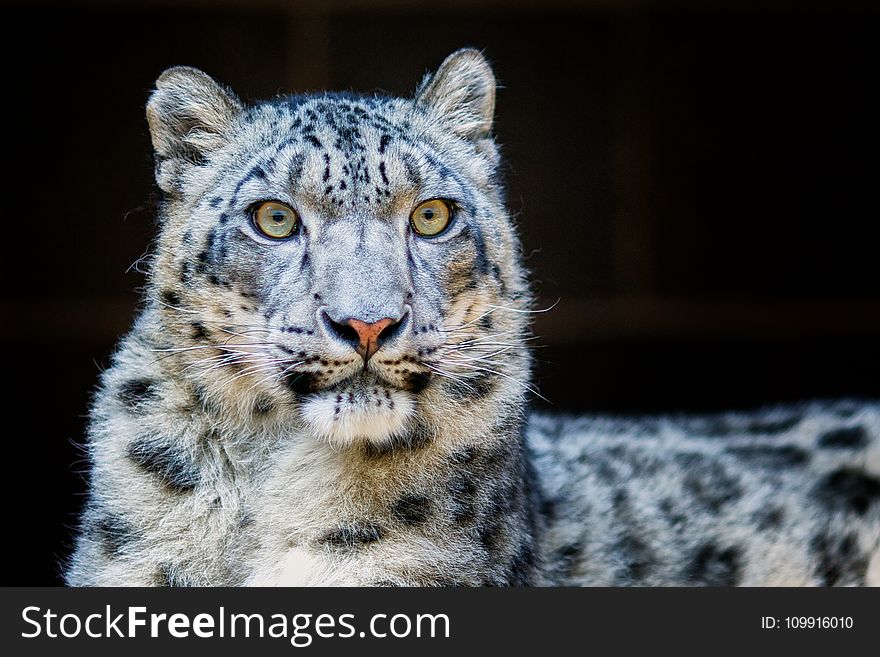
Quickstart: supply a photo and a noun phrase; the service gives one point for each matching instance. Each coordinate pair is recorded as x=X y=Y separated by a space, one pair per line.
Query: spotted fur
x=788 y=496
x=238 y=438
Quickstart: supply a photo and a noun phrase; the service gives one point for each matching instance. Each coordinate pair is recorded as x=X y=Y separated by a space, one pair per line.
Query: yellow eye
x=431 y=217
x=275 y=219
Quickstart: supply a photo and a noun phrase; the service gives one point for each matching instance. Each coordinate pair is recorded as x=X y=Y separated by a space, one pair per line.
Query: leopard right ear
x=462 y=94
x=188 y=114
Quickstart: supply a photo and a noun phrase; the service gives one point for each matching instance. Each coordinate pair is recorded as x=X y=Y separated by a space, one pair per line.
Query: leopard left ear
x=462 y=93
x=188 y=114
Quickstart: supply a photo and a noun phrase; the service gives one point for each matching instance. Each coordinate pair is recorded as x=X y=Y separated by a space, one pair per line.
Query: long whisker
x=494 y=308
x=217 y=360
x=193 y=311
x=484 y=358
x=235 y=361
x=280 y=375
x=528 y=311
x=470 y=323
x=246 y=333
x=470 y=338
x=526 y=386
x=223 y=345
x=205 y=372
x=261 y=365
x=452 y=377
x=467 y=346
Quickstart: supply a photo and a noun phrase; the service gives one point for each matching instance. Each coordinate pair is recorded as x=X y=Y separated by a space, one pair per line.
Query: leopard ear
x=462 y=93
x=188 y=114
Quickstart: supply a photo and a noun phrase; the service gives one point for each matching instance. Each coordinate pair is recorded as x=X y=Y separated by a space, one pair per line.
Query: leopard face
x=344 y=255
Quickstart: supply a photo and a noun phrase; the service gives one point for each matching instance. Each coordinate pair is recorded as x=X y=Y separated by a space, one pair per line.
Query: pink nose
x=369 y=335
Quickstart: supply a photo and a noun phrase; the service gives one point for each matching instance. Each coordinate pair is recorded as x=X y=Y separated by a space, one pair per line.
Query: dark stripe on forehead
x=447 y=173
x=411 y=170
x=256 y=172
x=384 y=140
x=295 y=167
x=442 y=169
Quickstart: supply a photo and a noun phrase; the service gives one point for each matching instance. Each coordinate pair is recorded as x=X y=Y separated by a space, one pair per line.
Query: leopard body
x=237 y=437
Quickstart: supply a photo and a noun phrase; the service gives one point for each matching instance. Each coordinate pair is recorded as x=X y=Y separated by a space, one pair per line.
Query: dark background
x=697 y=188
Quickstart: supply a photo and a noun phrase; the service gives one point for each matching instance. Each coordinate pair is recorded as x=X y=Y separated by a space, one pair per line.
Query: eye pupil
x=428 y=214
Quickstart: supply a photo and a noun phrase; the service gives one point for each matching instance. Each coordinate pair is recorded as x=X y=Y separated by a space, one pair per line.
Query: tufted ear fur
x=462 y=93
x=188 y=114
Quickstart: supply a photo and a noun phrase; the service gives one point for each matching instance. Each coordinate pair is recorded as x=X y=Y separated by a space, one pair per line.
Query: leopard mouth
x=360 y=408
x=410 y=381
x=359 y=389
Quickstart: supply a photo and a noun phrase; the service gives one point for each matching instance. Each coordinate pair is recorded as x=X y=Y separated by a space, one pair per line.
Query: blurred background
x=696 y=186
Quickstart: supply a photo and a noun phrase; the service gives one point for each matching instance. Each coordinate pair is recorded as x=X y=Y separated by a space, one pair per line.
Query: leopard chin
x=358 y=411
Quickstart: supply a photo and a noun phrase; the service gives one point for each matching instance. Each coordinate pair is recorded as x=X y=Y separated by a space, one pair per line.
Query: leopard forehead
x=346 y=156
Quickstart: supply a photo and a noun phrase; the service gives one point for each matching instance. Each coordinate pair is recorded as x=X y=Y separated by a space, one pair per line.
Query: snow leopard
x=330 y=376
